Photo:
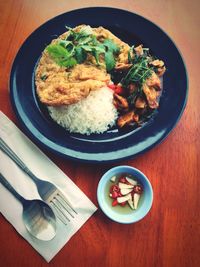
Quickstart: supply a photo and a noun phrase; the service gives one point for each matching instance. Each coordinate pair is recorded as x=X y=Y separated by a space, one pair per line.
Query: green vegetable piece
x=139 y=72
x=43 y=77
x=84 y=40
x=96 y=54
x=66 y=44
x=70 y=62
x=61 y=55
x=109 y=60
x=99 y=49
x=87 y=48
x=80 y=54
x=85 y=31
x=57 y=51
x=111 y=46
x=77 y=45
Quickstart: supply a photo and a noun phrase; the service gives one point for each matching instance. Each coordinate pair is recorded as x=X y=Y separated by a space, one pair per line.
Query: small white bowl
x=106 y=205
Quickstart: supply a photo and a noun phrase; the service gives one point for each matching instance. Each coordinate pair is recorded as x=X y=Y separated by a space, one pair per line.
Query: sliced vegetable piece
x=136 y=198
x=126 y=191
x=131 y=204
x=125 y=186
x=113 y=179
x=131 y=181
x=124 y=198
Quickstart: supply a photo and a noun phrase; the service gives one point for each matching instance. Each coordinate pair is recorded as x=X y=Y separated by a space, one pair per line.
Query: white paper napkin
x=44 y=168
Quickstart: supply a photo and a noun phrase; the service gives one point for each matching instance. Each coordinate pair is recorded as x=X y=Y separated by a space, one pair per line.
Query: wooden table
x=170 y=235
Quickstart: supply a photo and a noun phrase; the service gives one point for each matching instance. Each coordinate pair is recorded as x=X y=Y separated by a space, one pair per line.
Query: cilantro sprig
x=76 y=47
x=61 y=55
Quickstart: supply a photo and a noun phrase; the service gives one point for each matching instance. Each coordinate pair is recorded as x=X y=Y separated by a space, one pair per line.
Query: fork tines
x=63 y=209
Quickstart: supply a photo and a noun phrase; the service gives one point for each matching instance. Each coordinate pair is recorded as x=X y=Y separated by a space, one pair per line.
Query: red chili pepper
x=119 y=90
x=123 y=204
x=114 y=188
x=123 y=180
x=115 y=194
x=119 y=194
x=114 y=203
x=112 y=86
x=137 y=189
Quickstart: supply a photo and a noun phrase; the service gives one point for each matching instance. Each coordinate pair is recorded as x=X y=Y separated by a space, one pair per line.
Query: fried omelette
x=57 y=85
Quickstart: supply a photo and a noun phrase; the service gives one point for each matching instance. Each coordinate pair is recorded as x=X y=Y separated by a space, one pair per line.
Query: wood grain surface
x=170 y=235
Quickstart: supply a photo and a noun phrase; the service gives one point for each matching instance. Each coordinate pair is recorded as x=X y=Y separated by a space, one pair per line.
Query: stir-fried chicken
x=127 y=119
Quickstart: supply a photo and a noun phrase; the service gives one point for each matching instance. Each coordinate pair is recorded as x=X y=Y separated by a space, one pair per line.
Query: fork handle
x=11 y=154
x=10 y=188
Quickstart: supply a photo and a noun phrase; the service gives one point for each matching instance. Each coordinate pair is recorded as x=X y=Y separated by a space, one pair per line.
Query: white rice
x=94 y=114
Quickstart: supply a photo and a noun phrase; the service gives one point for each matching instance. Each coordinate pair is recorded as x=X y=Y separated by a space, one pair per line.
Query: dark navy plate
x=114 y=144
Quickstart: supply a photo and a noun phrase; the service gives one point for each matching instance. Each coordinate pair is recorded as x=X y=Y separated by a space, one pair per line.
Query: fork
x=47 y=190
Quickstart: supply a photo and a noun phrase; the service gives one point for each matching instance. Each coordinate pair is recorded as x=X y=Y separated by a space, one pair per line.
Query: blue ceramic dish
x=133 y=216
x=114 y=144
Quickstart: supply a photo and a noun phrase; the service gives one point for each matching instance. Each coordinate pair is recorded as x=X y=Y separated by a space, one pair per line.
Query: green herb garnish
x=140 y=70
x=62 y=55
x=43 y=77
x=78 y=45
x=138 y=74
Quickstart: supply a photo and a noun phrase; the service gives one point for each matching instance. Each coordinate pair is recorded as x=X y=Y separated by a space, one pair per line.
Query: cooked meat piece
x=140 y=103
x=127 y=119
x=120 y=102
x=157 y=63
x=161 y=71
x=139 y=50
x=132 y=87
x=122 y=66
x=160 y=66
x=152 y=95
x=154 y=81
